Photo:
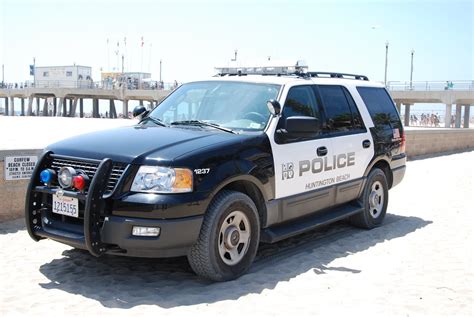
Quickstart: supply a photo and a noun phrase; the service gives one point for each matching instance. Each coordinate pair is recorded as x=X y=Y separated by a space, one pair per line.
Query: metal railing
x=87 y=84
x=431 y=85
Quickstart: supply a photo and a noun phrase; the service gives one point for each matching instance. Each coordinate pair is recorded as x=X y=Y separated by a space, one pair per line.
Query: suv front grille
x=90 y=169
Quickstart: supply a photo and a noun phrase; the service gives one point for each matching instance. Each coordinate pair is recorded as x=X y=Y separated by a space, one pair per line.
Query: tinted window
x=380 y=105
x=338 y=112
x=356 y=118
x=300 y=102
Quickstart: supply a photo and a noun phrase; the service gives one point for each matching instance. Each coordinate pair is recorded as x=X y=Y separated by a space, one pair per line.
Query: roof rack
x=336 y=75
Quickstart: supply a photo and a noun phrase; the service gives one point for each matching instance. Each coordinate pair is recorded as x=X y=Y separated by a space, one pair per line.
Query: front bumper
x=176 y=235
x=98 y=230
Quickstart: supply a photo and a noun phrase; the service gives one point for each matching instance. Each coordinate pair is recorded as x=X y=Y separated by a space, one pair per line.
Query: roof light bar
x=270 y=69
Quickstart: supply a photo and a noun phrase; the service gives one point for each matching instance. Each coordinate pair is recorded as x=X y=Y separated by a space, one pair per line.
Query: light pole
x=411 y=71
x=386 y=62
x=34 y=72
x=3 y=74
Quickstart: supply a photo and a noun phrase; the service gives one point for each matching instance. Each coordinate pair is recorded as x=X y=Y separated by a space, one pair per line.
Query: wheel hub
x=376 y=199
x=232 y=237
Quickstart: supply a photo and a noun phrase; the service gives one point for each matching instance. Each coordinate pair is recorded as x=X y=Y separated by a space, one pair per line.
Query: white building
x=63 y=76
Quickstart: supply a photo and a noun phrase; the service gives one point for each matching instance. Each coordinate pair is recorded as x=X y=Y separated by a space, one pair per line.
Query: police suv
x=251 y=155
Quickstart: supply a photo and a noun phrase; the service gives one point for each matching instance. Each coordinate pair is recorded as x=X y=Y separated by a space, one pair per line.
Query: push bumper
x=175 y=238
x=99 y=232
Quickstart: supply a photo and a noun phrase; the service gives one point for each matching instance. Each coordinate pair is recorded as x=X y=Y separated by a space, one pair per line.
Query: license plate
x=67 y=206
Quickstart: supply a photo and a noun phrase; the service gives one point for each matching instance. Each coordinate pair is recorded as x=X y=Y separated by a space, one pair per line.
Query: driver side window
x=300 y=102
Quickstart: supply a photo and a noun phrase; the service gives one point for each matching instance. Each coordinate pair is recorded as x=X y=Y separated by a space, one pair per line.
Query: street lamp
x=34 y=72
x=411 y=71
x=386 y=62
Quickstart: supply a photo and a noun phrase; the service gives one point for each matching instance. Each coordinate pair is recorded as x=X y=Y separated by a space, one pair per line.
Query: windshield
x=232 y=105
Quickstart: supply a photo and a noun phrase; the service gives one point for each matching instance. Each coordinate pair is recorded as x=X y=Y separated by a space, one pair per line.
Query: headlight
x=157 y=179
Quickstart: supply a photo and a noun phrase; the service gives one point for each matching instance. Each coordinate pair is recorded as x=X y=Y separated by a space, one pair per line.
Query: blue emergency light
x=46 y=176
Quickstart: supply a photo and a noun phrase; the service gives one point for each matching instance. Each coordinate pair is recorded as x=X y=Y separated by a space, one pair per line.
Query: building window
x=69 y=74
x=45 y=74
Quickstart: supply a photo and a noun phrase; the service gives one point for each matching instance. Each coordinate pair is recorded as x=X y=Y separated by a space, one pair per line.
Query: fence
x=431 y=85
x=87 y=84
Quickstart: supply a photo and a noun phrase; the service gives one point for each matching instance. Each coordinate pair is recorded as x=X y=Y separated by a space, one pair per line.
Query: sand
x=419 y=263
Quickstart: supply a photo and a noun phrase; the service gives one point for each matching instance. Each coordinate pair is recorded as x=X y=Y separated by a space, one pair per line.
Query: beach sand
x=419 y=263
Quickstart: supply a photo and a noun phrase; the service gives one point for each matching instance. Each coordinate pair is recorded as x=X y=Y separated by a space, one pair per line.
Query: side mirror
x=139 y=112
x=274 y=107
x=302 y=125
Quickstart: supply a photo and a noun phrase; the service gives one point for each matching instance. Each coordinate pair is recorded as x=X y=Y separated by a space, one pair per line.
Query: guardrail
x=87 y=84
x=431 y=85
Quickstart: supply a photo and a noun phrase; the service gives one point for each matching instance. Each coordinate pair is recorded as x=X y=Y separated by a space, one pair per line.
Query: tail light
x=403 y=144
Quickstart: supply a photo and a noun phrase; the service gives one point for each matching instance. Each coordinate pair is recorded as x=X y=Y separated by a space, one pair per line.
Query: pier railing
x=431 y=85
x=86 y=84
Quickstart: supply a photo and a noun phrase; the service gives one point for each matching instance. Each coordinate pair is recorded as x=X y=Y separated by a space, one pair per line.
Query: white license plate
x=68 y=206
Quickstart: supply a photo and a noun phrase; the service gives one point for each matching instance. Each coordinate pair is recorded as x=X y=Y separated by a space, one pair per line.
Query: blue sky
x=191 y=37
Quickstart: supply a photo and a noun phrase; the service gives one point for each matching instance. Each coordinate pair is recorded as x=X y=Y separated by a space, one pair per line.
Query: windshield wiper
x=202 y=123
x=154 y=120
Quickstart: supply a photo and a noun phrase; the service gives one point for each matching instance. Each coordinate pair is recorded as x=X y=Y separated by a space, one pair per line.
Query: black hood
x=138 y=144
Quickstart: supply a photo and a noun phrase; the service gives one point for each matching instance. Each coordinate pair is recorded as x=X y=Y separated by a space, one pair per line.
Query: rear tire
x=229 y=238
x=374 y=201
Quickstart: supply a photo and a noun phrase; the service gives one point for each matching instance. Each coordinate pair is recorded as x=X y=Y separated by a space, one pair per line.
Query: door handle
x=366 y=144
x=322 y=150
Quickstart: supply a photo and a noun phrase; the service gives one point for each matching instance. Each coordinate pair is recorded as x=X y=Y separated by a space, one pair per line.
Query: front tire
x=229 y=237
x=374 y=201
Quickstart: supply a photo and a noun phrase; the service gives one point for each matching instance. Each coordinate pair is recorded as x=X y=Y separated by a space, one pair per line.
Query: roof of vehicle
x=294 y=80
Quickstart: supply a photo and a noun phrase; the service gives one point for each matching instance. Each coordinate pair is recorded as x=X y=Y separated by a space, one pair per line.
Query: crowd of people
x=425 y=120
x=16 y=85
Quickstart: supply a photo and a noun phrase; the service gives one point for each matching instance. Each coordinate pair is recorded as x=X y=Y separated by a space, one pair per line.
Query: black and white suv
x=222 y=165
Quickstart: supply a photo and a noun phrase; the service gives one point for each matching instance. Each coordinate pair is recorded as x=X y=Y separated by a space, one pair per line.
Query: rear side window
x=380 y=106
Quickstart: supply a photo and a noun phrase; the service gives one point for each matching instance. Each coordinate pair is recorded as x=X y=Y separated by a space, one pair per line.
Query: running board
x=293 y=228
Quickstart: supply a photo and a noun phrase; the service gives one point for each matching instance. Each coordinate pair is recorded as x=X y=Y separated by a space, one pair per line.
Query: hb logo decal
x=287 y=171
